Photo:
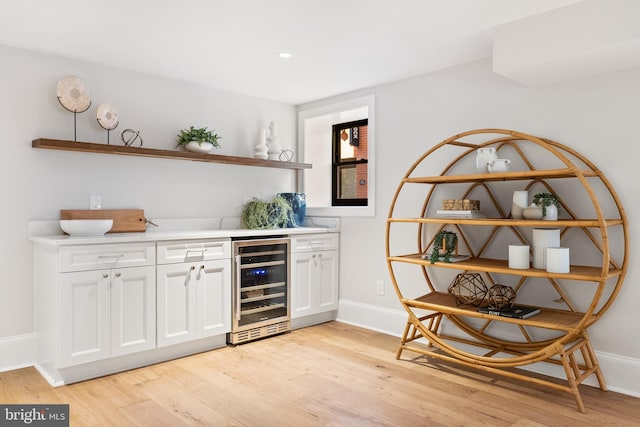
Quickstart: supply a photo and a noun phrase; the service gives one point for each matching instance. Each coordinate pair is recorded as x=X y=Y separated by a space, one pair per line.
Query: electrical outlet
x=95 y=202
x=380 y=287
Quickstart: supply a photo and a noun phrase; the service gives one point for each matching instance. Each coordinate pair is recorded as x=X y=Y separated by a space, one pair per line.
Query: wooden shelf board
x=503 y=176
x=511 y=222
x=577 y=272
x=90 y=147
x=547 y=318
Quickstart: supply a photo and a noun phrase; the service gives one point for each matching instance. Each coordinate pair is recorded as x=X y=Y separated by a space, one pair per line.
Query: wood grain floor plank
x=327 y=375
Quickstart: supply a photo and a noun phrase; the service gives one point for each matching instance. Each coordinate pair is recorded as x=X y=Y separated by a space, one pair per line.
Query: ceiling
x=337 y=45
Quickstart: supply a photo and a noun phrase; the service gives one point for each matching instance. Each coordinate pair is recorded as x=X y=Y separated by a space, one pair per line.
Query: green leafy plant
x=546 y=199
x=444 y=244
x=198 y=135
x=258 y=214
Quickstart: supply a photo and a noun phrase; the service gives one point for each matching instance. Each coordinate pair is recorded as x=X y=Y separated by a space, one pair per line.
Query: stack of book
x=515 y=312
x=460 y=214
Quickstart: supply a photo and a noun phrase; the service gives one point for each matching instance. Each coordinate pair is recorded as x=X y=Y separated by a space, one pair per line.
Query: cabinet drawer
x=95 y=257
x=314 y=242
x=171 y=252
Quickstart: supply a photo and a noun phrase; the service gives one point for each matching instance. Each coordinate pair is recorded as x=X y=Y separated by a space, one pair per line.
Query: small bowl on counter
x=86 y=227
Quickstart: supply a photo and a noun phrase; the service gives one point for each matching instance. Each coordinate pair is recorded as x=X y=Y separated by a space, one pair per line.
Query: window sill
x=364 y=211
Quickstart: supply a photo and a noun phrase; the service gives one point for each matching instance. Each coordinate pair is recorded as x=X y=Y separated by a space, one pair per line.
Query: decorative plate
x=73 y=94
x=107 y=116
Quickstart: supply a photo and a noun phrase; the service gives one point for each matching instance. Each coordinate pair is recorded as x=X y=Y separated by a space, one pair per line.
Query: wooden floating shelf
x=89 y=147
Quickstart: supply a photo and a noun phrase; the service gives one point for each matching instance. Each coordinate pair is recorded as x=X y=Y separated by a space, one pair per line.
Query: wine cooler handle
x=237 y=286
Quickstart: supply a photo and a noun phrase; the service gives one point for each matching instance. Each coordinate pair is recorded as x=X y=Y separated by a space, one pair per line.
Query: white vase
x=551 y=213
x=532 y=212
x=544 y=238
x=484 y=157
x=274 y=142
x=199 y=147
x=261 y=151
x=519 y=202
x=558 y=260
x=519 y=257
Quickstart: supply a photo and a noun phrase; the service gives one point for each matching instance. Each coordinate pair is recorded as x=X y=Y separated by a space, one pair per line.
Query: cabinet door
x=176 y=296
x=84 y=317
x=302 y=279
x=326 y=275
x=133 y=310
x=213 y=283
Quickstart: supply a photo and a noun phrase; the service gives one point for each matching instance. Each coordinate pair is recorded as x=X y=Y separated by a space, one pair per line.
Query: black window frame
x=337 y=163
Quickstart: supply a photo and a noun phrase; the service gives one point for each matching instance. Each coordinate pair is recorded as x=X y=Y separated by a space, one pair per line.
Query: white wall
x=595 y=116
x=36 y=184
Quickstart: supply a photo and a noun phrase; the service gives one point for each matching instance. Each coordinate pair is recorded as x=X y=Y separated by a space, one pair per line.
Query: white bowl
x=86 y=227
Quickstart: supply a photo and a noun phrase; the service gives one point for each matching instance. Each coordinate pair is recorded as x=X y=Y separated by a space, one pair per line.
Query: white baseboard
x=17 y=352
x=621 y=373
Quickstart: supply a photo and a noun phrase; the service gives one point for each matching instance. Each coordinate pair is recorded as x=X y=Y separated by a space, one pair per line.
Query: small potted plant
x=550 y=204
x=444 y=244
x=199 y=140
x=261 y=214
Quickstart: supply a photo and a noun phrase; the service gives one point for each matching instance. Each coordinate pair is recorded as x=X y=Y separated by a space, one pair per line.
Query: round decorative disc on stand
x=73 y=94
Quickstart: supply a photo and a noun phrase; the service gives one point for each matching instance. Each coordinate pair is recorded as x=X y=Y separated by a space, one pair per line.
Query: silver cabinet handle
x=118 y=274
x=105 y=276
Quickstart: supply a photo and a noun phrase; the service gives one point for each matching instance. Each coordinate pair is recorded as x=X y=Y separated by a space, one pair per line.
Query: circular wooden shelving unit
x=592 y=218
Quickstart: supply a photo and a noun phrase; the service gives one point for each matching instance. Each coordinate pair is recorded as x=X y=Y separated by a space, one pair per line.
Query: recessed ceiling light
x=285 y=55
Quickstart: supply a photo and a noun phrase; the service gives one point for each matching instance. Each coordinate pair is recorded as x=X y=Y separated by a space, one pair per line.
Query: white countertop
x=48 y=232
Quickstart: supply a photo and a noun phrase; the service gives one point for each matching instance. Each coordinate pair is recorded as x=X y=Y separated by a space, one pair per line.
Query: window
x=350 y=164
x=316 y=128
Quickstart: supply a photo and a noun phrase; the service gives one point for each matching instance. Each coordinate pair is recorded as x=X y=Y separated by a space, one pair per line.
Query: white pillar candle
x=519 y=256
x=558 y=260
x=544 y=238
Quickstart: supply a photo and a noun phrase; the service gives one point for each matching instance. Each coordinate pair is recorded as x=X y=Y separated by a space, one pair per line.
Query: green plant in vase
x=198 y=135
x=444 y=243
x=257 y=214
x=546 y=199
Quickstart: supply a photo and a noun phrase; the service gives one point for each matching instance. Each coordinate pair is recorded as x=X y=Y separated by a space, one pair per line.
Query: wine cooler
x=261 y=289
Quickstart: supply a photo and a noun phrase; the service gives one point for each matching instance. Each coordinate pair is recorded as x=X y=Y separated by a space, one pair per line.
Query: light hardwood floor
x=327 y=375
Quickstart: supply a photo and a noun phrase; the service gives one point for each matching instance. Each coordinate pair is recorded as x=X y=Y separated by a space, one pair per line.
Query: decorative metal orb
x=468 y=289
x=501 y=297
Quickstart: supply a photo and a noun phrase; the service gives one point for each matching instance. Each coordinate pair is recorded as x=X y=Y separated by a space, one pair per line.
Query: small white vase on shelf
x=558 y=260
x=519 y=203
x=551 y=213
x=485 y=156
x=199 y=147
x=261 y=151
x=274 y=142
x=544 y=238
x=532 y=212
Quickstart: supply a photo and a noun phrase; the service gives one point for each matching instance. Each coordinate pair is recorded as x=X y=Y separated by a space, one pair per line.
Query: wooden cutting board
x=124 y=220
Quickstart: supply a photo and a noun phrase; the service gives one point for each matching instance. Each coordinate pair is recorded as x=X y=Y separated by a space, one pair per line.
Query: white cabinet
x=106 y=313
x=314 y=274
x=194 y=290
x=105 y=309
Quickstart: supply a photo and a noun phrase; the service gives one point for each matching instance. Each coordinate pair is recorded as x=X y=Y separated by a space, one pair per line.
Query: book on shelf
x=452 y=257
x=460 y=214
x=515 y=312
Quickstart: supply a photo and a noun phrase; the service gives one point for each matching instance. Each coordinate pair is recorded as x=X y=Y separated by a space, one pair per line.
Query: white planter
x=551 y=213
x=199 y=147
x=544 y=238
